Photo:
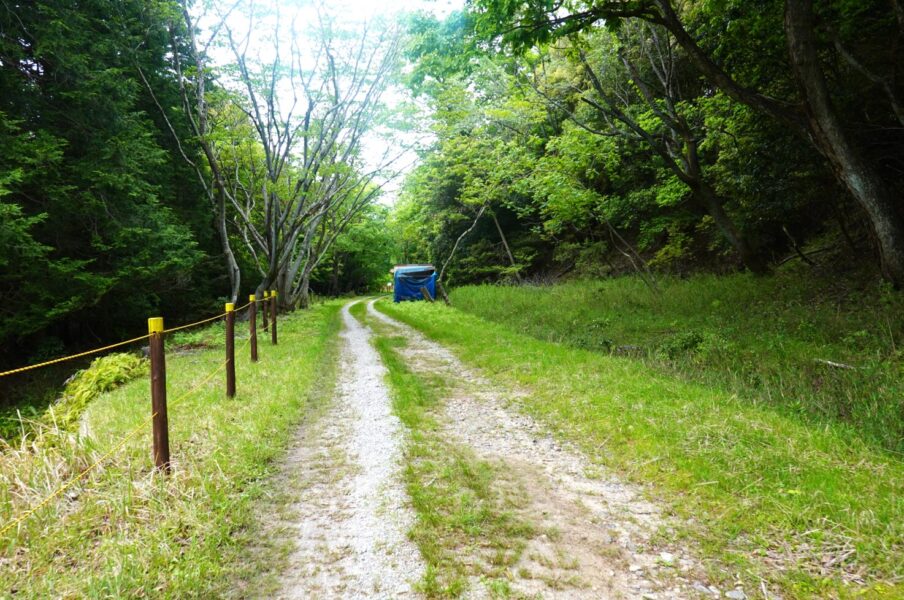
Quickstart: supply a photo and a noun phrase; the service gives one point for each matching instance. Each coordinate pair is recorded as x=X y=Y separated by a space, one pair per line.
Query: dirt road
x=353 y=513
x=596 y=537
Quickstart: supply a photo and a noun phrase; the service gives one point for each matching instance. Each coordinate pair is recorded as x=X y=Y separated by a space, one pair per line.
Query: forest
x=149 y=163
x=605 y=138
x=666 y=359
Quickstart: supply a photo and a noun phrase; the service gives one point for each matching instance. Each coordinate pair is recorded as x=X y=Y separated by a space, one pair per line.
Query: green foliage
x=439 y=49
x=598 y=130
x=359 y=260
x=103 y=375
x=680 y=344
x=100 y=224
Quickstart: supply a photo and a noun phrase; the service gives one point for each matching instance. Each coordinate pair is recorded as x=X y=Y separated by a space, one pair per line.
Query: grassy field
x=776 y=501
x=127 y=531
x=461 y=510
x=768 y=339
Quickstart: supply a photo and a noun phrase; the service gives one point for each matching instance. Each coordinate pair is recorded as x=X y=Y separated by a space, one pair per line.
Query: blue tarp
x=408 y=281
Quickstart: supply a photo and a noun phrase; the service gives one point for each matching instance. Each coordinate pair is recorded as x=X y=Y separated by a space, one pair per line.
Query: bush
x=104 y=374
x=680 y=344
x=591 y=335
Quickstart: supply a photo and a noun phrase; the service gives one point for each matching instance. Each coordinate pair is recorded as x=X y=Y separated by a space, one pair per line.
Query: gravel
x=353 y=512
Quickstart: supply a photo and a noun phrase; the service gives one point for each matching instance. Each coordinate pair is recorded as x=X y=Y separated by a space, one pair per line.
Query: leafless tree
x=281 y=136
x=310 y=112
x=194 y=81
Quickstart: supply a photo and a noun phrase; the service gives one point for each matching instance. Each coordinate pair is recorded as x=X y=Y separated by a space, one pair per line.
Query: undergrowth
x=105 y=374
x=830 y=350
x=803 y=510
x=81 y=388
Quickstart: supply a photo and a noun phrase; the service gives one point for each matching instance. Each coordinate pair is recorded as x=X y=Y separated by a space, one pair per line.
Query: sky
x=347 y=15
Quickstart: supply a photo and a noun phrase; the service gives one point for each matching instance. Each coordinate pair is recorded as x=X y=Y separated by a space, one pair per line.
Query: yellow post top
x=266 y=294
x=273 y=293
x=251 y=298
x=155 y=325
x=230 y=307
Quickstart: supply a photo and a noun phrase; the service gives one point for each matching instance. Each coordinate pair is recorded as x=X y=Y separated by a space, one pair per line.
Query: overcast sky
x=347 y=14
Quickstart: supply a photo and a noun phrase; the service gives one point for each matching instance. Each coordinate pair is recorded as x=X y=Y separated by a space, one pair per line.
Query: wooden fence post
x=230 y=350
x=265 y=309
x=158 y=394
x=273 y=316
x=252 y=326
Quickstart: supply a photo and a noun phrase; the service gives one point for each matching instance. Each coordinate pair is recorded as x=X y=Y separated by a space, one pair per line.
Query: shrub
x=685 y=342
x=104 y=374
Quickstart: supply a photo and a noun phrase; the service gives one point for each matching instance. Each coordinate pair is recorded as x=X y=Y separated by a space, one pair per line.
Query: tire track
x=352 y=516
x=596 y=536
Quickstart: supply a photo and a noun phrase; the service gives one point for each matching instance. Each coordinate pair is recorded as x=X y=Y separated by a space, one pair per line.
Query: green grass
x=128 y=531
x=465 y=524
x=761 y=492
x=763 y=338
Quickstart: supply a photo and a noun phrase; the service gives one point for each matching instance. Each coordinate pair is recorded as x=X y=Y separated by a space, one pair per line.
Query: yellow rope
x=80 y=354
x=196 y=323
x=219 y=316
x=69 y=483
x=111 y=346
x=115 y=448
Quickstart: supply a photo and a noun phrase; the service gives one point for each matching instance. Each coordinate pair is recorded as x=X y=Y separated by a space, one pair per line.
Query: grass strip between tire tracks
x=465 y=527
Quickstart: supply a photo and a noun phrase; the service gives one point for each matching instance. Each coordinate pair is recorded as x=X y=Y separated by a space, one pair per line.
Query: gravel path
x=353 y=513
x=600 y=532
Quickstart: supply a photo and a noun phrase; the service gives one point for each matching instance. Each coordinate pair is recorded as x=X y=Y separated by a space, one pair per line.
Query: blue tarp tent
x=407 y=281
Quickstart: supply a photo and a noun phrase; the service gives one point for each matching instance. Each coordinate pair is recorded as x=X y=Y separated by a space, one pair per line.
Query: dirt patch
x=596 y=535
x=350 y=521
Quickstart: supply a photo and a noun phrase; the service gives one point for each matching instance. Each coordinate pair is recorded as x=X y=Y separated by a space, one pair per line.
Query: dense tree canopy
x=630 y=135
x=99 y=222
x=139 y=175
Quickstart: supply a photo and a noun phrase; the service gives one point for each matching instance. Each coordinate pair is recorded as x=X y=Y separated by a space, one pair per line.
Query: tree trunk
x=284 y=301
x=861 y=179
x=508 y=250
x=688 y=171
x=304 y=290
x=821 y=128
x=714 y=206
x=232 y=266
x=334 y=276
x=442 y=271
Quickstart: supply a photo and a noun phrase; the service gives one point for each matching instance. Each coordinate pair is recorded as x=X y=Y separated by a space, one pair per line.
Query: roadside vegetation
x=125 y=530
x=462 y=506
x=808 y=510
x=826 y=348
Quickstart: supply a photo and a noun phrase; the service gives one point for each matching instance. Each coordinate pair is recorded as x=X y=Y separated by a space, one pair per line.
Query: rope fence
x=158 y=417
x=73 y=356
x=116 y=345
